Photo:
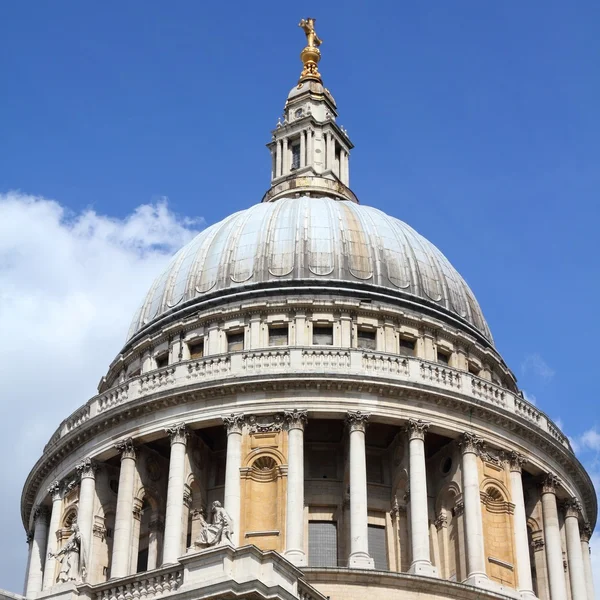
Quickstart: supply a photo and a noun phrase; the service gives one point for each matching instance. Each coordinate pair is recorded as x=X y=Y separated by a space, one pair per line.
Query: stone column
x=309 y=148
x=302 y=149
x=55 y=491
x=441 y=525
x=522 y=560
x=471 y=445
x=419 y=518
x=572 y=510
x=155 y=535
x=554 y=559
x=586 y=534
x=294 y=527
x=234 y=425
x=285 y=159
x=86 y=470
x=38 y=551
x=359 y=525
x=174 y=512
x=120 y=565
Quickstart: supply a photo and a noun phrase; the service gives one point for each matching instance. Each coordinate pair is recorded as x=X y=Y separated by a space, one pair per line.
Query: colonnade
x=43 y=542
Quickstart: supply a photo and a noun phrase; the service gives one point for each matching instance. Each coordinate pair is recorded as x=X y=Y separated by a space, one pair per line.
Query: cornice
x=452 y=401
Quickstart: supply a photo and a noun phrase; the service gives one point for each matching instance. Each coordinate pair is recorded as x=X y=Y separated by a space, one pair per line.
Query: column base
x=296 y=557
x=481 y=580
x=423 y=568
x=527 y=595
x=361 y=560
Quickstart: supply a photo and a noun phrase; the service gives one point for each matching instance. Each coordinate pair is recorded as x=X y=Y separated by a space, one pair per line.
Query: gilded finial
x=311 y=55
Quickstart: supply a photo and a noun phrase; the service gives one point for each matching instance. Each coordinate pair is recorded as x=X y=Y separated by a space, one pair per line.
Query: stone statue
x=71 y=558
x=219 y=531
x=312 y=39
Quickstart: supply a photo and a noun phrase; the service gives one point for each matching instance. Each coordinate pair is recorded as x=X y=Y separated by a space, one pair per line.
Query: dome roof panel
x=308 y=239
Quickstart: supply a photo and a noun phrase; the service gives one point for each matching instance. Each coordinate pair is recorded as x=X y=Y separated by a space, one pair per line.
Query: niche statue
x=71 y=558
x=219 y=531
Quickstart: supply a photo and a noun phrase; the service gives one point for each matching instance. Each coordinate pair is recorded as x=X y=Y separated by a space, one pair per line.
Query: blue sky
x=475 y=122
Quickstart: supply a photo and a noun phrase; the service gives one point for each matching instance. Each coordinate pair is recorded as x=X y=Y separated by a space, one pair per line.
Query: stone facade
x=309 y=442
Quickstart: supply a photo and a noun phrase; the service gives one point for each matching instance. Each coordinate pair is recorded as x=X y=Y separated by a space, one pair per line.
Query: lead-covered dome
x=308 y=241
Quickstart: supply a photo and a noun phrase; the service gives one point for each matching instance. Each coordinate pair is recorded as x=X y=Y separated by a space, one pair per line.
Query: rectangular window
x=377 y=547
x=142 y=561
x=323 y=335
x=235 y=342
x=474 y=369
x=278 y=336
x=196 y=349
x=295 y=156
x=443 y=357
x=407 y=347
x=162 y=360
x=322 y=544
x=367 y=340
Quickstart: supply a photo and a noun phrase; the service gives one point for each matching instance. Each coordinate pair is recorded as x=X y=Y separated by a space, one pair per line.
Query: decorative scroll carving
x=265 y=423
x=219 y=532
x=187 y=496
x=537 y=544
x=234 y=423
x=296 y=419
x=572 y=508
x=126 y=448
x=178 y=433
x=515 y=461
x=416 y=429
x=357 y=420
x=549 y=484
x=86 y=468
x=441 y=521
x=99 y=531
x=585 y=532
x=41 y=513
x=55 y=490
x=469 y=442
x=459 y=508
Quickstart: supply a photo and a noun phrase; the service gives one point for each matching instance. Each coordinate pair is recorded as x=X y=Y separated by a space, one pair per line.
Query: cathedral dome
x=312 y=242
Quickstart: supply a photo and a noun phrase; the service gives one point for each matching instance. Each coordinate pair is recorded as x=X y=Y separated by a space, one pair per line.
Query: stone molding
x=357 y=421
x=55 y=490
x=572 y=508
x=550 y=483
x=234 y=423
x=538 y=544
x=296 y=419
x=87 y=468
x=471 y=443
x=41 y=513
x=265 y=423
x=178 y=433
x=126 y=448
x=416 y=429
x=441 y=521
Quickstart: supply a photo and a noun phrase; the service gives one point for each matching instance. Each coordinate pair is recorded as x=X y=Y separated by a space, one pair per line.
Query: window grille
x=377 y=547
x=323 y=336
x=322 y=544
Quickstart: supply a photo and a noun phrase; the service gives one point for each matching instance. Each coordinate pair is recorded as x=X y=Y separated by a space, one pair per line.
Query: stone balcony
x=309 y=362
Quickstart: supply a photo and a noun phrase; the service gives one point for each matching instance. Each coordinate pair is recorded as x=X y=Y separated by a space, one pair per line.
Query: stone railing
x=310 y=362
x=151 y=584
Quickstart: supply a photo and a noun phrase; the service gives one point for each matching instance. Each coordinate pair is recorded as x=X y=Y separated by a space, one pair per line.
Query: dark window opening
x=407 y=347
x=374 y=468
x=278 y=336
x=377 y=547
x=474 y=369
x=142 y=560
x=162 y=361
x=196 y=349
x=367 y=339
x=443 y=357
x=295 y=157
x=235 y=342
x=323 y=335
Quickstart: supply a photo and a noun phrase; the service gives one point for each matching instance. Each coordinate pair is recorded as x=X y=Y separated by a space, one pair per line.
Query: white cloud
x=536 y=365
x=591 y=439
x=69 y=285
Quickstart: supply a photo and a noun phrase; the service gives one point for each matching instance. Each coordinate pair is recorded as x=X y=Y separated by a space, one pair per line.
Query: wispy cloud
x=69 y=284
x=535 y=365
x=529 y=397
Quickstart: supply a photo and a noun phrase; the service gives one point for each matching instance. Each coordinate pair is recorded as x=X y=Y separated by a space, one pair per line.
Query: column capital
x=537 y=544
x=55 y=490
x=126 y=448
x=549 y=483
x=416 y=429
x=234 y=423
x=471 y=443
x=357 y=420
x=29 y=537
x=41 y=513
x=572 y=508
x=296 y=419
x=86 y=468
x=178 y=433
x=585 y=532
x=459 y=508
x=441 y=521
x=515 y=461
